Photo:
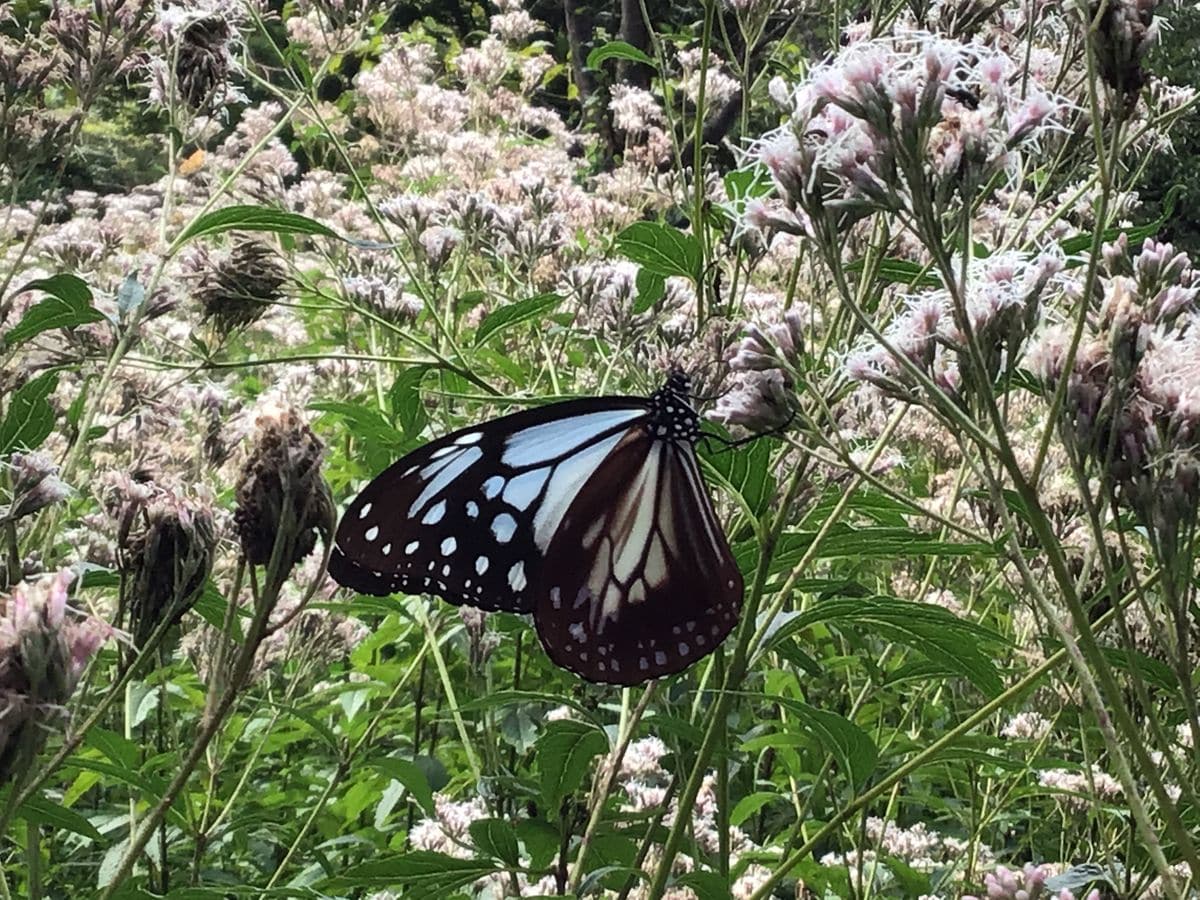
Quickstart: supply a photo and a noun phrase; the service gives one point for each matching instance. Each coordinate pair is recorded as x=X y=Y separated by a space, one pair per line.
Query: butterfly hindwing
x=639 y=581
x=468 y=516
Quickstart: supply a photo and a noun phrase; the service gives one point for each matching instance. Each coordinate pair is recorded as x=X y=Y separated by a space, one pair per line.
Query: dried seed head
x=169 y=559
x=1125 y=34
x=203 y=61
x=236 y=290
x=282 y=499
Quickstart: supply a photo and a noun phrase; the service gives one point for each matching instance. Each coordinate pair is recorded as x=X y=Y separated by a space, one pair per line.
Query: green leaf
x=944 y=638
x=749 y=805
x=252 y=218
x=1154 y=671
x=212 y=607
x=1135 y=234
x=661 y=249
x=899 y=271
x=617 y=50
x=422 y=873
x=748 y=183
x=844 y=541
x=745 y=472
x=650 y=289
x=41 y=811
x=564 y=756
x=541 y=840
x=409 y=774
x=852 y=747
x=404 y=400
x=705 y=885
x=911 y=881
x=69 y=304
x=496 y=838
x=505 y=317
x=30 y=417
x=117 y=748
x=364 y=421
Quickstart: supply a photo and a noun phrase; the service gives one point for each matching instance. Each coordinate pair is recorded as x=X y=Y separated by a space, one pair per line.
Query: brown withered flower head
x=203 y=60
x=1125 y=34
x=237 y=289
x=169 y=556
x=282 y=498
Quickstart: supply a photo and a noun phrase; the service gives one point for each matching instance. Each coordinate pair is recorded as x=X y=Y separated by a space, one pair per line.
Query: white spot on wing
x=411 y=547
x=386 y=549
x=516 y=576
x=473 y=437
x=443 y=474
x=434 y=514
x=448 y=546
x=363 y=513
x=493 y=486
x=372 y=533
x=503 y=527
x=472 y=509
x=481 y=565
x=523 y=489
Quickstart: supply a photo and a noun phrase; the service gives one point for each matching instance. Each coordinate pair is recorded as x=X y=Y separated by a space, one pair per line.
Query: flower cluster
x=894 y=123
x=1079 y=788
x=963 y=339
x=1025 y=884
x=43 y=651
x=1132 y=395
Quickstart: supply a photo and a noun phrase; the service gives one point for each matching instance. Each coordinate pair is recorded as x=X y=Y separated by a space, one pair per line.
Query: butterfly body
x=590 y=514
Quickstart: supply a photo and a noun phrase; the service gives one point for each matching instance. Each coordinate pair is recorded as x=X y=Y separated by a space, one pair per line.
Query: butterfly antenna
x=729 y=443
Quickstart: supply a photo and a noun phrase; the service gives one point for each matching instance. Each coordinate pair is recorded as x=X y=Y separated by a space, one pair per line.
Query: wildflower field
x=924 y=271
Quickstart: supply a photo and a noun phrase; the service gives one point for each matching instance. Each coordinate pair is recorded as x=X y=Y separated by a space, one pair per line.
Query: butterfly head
x=671 y=414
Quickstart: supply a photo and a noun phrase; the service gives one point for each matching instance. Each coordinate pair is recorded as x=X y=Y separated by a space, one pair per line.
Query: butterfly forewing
x=469 y=516
x=639 y=581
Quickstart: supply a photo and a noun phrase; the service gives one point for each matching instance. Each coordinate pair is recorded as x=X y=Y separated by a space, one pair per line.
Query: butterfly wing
x=639 y=581
x=467 y=517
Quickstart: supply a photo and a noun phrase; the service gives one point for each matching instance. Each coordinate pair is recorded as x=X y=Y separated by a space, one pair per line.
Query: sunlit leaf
x=500 y=320
x=617 y=50
x=68 y=304
x=564 y=755
x=661 y=249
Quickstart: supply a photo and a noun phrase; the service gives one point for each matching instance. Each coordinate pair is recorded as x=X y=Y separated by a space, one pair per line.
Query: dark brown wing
x=468 y=516
x=639 y=581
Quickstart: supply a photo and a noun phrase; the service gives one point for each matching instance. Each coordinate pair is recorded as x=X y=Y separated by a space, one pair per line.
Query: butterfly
x=591 y=514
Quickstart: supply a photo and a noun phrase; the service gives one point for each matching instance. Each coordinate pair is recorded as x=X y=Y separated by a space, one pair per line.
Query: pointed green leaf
x=505 y=317
x=41 y=811
x=617 y=50
x=69 y=304
x=497 y=839
x=409 y=774
x=252 y=218
x=565 y=754
x=852 y=747
x=661 y=249
x=30 y=417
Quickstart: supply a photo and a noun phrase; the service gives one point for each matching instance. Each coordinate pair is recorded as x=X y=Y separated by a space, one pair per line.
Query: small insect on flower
x=590 y=514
